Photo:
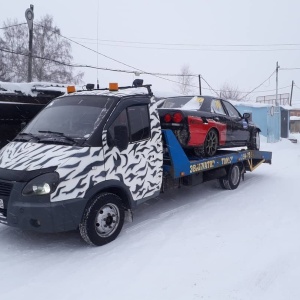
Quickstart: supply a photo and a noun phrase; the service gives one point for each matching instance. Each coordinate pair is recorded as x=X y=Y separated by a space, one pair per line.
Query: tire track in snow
x=160 y=216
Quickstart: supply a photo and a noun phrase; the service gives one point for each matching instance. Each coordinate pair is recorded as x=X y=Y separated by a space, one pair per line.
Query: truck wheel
x=102 y=220
x=232 y=179
x=254 y=140
x=211 y=143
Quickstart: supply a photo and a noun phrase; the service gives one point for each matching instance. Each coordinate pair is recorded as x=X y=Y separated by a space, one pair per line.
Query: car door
x=240 y=131
x=222 y=120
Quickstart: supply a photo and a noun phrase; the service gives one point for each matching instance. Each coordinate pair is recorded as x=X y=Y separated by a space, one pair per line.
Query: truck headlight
x=42 y=185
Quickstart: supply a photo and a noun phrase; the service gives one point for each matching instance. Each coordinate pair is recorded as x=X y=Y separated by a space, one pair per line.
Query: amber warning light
x=71 y=89
x=113 y=86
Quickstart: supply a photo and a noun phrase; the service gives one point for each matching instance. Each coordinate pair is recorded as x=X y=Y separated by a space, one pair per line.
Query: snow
x=189 y=243
x=294 y=118
x=30 y=89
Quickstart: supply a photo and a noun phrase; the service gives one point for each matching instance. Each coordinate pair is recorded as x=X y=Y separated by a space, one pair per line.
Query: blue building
x=272 y=120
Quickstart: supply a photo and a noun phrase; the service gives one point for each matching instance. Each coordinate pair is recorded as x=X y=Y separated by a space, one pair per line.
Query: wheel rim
x=235 y=175
x=211 y=143
x=107 y=220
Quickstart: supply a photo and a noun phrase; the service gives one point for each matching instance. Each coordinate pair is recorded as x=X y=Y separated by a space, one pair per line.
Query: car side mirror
x=121 y=137
x=246 y=116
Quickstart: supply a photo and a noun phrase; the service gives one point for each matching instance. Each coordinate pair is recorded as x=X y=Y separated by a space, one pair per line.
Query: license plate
x=1 y=204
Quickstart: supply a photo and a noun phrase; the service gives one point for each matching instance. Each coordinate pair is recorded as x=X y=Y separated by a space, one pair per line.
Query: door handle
x=216 y=119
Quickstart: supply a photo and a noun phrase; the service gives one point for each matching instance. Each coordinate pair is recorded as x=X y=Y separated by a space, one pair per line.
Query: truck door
x=132 y=155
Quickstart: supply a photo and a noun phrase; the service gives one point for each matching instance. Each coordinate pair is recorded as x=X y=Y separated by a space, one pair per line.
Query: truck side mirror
x=121 y=137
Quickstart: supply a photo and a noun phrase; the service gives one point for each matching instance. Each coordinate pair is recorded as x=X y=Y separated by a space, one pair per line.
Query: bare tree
x=15 y=38
x=51 y=53
x=185 y=81
x=3 y=67
x=229 y=92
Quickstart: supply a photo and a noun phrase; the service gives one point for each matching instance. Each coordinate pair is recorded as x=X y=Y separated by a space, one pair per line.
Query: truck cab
x=82 y=162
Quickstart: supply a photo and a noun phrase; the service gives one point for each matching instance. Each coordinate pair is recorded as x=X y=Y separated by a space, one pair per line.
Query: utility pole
x=292 y=93
x=276 y=100
x=200 y=91
x=278 y=112
x=29 y=15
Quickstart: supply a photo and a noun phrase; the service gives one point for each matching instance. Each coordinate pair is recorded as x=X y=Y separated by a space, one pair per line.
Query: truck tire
x=232 y=179
x=102 y=220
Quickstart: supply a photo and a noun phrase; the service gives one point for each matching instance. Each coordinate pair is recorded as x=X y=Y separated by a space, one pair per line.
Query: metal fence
x=282 y=99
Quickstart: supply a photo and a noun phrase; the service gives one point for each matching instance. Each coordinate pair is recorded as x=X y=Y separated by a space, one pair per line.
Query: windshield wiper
x=59 y=134
x=32 y=136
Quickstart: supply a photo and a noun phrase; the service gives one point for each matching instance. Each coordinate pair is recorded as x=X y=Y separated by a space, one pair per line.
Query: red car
x=204 y=124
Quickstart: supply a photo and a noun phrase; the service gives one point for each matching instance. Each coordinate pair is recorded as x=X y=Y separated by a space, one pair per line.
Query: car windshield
x=73 y=116
x=188 y=103
x=175 y=102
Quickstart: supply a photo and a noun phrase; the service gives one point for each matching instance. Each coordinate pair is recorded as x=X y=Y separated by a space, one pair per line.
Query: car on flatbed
x=205 y=124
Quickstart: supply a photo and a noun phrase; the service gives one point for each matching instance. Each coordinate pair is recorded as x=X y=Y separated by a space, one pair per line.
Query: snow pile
x=30 y=89
x=190 y=243
x=294 y=118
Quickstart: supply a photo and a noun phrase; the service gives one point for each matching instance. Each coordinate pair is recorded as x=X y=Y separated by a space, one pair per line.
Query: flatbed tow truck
x=90 y=168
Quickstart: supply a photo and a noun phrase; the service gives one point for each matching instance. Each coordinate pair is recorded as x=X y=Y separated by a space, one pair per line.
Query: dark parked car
x=204 y=124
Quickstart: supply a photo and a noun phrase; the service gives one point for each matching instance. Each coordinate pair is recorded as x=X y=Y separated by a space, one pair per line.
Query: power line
x=158 y=75
x=288 y=69
x=209 y=85
x=13 y=25
x=146 y=73
x=198 y=49
x=106 y=56
x=130 y=72
x=259 y=85
x=93 y=67
x=193 y=45
x=282 y=88
x=64 y=63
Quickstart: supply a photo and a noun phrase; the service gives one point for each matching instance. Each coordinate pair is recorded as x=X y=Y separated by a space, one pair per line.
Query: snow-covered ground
x=190 y=243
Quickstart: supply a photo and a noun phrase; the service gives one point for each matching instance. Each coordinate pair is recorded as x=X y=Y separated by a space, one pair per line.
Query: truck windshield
x=73 y=116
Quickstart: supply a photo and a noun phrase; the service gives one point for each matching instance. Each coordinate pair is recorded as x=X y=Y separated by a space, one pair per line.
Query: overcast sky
x=161 y=36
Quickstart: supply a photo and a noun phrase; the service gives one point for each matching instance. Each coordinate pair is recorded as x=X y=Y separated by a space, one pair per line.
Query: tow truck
x=90 y=157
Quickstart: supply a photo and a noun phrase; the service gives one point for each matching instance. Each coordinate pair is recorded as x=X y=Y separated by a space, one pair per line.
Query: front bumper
x=38 y=213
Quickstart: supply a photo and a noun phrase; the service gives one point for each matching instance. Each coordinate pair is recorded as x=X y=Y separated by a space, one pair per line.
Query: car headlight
x=42 y=185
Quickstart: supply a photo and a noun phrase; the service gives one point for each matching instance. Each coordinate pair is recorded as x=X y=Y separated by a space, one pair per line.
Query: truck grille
x=5 y=188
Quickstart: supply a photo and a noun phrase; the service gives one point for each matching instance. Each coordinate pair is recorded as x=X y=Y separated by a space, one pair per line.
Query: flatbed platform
x=178 y=164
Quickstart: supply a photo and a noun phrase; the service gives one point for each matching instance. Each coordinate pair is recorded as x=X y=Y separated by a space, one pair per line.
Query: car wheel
x=254 y=140
x=102 y=220
x=232 y=179
x=211 y=143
